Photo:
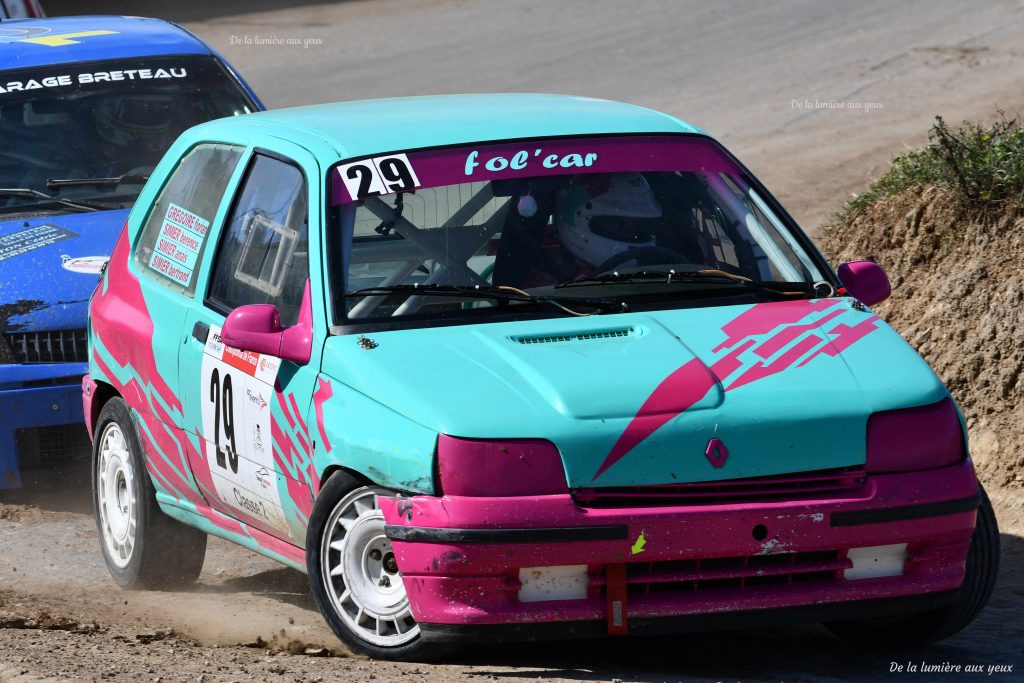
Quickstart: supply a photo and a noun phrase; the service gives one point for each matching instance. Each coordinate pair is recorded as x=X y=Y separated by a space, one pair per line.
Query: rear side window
x=174 y=236
x=264 y=254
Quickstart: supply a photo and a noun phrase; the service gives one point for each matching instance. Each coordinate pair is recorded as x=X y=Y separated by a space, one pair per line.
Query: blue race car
x=88 y=106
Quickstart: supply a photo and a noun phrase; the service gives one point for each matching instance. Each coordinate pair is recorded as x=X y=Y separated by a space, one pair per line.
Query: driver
x=603 y=215
x=135 y=128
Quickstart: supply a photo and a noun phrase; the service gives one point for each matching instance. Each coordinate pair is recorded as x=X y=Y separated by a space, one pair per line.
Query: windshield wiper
x=98 y=182
x=48 y=199
x=672 y=276
x=499 y=293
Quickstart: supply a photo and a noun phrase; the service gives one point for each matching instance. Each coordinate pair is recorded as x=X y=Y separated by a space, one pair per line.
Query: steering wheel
x=644 y=256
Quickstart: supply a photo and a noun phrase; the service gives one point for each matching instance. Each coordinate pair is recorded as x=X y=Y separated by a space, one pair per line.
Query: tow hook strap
x=615 y=589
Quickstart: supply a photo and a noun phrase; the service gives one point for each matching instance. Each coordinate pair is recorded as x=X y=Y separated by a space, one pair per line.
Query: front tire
x=980 y=574
x=143 y=547
x=353 y=574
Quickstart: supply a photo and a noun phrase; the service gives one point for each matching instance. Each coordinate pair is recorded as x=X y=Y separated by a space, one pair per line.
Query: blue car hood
x=49 y=267
x=633 y=399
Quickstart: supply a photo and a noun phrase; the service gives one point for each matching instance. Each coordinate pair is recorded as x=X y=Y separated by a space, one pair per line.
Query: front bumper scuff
x=460 y=557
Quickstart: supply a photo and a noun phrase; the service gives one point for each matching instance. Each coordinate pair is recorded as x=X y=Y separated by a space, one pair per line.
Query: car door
x=165 y=259
x=235 y=401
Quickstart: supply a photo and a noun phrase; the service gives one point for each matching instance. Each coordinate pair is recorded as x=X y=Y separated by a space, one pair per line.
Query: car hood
x=49 y=266
x=675 y=396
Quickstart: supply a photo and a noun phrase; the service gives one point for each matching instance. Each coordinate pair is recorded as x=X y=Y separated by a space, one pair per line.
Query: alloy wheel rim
x=361 y=575
x=115 y=493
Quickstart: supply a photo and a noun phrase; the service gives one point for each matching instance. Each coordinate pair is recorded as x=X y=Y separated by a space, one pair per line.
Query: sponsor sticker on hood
x=87 y=265
x=19 y=243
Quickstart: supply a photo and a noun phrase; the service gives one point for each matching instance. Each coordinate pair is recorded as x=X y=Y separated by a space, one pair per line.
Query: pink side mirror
x=866 y=281
x=257 y=328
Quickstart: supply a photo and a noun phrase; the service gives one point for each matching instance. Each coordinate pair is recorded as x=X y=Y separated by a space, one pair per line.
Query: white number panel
x=377 y=176
x=237 y=387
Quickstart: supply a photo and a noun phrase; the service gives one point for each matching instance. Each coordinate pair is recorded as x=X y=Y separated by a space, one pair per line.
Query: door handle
x=201 y=332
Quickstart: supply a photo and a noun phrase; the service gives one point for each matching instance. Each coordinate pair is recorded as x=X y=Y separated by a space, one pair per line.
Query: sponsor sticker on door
x=178 y=244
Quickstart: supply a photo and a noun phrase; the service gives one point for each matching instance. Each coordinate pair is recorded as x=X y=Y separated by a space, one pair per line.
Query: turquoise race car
x=504 y=367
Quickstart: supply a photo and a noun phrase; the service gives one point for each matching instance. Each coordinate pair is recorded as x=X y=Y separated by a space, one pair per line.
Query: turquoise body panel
x=798 y=419
x=370 y=437
x=628 y=399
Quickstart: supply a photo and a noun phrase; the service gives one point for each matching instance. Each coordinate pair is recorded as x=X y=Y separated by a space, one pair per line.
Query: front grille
x=52 y=446
x=755 y=490
x=755 y=571
x=59 y=346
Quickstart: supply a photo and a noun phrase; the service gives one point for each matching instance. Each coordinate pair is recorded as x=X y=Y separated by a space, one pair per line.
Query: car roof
x=369 y=127
x=64 y=40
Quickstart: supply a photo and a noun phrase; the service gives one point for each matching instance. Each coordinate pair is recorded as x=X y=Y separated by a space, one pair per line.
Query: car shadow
x=284 y=585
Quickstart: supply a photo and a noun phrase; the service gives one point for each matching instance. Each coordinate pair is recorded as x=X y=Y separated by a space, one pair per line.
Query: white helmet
x=603 y=215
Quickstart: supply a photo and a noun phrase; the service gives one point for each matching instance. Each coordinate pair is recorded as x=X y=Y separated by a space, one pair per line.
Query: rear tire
x=354 y=578
x=143 y=547
x=922 y=628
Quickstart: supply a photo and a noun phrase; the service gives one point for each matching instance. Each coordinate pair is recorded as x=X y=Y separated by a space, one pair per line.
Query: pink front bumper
x=460 y=557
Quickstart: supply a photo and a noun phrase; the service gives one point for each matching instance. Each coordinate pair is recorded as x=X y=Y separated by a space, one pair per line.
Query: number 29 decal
x=378 y=176
x=222 y=397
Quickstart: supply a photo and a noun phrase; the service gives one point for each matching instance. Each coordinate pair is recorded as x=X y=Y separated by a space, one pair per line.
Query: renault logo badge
x=716 y=452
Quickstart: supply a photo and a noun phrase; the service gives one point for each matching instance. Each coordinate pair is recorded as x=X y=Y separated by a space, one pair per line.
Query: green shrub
x=981 y=165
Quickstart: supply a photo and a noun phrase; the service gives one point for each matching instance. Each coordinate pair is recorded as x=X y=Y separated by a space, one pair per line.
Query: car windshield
x=93 y=132
x=465 y=233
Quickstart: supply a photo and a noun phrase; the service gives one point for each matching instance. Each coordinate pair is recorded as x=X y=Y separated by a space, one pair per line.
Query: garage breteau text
x=91 y=77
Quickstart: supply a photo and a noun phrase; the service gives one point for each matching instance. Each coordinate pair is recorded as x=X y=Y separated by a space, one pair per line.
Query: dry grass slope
x=958 y=297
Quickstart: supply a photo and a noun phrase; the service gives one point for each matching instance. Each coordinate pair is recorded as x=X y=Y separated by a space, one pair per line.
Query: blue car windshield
x=92 y=132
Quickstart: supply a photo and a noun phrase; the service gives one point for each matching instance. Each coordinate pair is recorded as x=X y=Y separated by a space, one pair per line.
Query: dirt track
x=61 y=617
x=746 y=74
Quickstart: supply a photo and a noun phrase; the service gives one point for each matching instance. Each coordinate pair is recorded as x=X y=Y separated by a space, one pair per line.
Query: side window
x=173 y=238
x=263 y=257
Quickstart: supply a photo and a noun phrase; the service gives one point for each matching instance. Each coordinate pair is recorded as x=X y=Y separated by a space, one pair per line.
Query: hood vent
x=594 y=335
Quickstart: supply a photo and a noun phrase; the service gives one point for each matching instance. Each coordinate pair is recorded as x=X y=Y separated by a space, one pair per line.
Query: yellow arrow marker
x=61 y=39
x=638 y=547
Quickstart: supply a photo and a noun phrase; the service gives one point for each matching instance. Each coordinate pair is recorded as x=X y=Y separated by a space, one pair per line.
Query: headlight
x=915 y=438
x=516 y=467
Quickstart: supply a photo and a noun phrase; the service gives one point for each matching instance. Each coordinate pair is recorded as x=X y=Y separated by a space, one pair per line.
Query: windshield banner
x=85 y=77
x=391 y=173
x=149 y=72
